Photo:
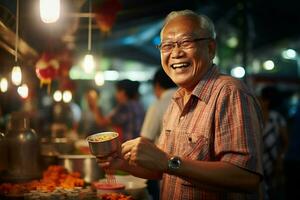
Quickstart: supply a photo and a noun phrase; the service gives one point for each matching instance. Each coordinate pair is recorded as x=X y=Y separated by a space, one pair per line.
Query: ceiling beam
x=7 y=42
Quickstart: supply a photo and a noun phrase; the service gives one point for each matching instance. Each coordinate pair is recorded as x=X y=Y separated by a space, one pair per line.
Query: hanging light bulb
x=49 y=10
x=16 y=74
x=3 y=85
x=23 y=91
x=89 y=63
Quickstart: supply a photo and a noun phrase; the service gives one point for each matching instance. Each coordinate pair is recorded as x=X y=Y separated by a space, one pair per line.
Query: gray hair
x=204 y=22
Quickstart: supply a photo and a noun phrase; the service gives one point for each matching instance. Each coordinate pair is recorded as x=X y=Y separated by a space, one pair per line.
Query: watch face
x=174 y=163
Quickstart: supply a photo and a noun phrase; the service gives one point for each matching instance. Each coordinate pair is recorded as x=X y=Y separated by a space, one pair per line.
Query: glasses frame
x=180 y=41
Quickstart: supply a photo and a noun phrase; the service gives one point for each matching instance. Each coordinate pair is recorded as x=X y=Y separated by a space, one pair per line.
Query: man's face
x=186 y=66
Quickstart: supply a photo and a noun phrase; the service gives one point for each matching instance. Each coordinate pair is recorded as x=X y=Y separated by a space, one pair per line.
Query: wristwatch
x=174 y=163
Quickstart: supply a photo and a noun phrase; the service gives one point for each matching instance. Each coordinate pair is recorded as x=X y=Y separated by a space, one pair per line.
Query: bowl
x=134 y=186
x=56 y=146
x=136 y=189
x=63 y=145
x=103 y=144
x=129 y=178
x=105 y=188
x=86 y=165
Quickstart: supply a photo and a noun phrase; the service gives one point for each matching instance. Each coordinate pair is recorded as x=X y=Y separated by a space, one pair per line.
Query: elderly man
x=210 y=145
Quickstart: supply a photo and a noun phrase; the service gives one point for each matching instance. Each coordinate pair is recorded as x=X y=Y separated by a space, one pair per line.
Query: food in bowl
x=102 y=137
x=103 y=144
x=54 y=177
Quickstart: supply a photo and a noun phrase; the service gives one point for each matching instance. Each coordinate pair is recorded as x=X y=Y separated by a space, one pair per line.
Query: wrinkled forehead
x=182 y=26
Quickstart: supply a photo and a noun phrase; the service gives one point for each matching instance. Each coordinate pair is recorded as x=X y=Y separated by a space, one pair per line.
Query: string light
x=89 y=63
x=16 y=74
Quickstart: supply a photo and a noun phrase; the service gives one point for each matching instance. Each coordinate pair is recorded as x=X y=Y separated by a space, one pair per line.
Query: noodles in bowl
x=103 y=144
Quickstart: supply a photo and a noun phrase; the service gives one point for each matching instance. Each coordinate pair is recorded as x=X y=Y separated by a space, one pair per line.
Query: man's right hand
x=114 y=161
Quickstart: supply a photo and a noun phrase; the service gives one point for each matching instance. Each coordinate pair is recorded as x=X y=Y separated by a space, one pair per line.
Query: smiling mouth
x=180 y=65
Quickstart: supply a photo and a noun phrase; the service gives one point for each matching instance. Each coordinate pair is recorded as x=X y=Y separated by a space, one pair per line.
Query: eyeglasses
x=183 y=44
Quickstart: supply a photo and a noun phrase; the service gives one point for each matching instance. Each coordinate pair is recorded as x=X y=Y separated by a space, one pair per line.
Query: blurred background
x=52 y=54
x=258 y=41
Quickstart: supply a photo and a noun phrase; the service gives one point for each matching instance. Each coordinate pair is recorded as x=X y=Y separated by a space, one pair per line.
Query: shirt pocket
x=197 y=147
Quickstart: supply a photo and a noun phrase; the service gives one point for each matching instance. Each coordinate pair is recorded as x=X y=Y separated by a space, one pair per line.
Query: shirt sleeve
x=238 y=129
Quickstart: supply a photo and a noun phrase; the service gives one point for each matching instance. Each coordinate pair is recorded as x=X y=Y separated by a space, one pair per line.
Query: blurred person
x=88 y=124
x=164 y=89
x=292 y=158
x=275 y=140
x=128 y=115
x=210 y=146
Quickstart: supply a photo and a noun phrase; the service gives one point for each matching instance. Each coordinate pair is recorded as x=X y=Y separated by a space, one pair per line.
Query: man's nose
x=176 y=51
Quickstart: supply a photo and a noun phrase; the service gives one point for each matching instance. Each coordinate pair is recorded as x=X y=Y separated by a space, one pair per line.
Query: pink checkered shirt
x=221 y=122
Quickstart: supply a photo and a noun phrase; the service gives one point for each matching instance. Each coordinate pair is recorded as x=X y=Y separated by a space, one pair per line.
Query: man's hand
x=140 y=157
x=113 y=161
x=144 y=153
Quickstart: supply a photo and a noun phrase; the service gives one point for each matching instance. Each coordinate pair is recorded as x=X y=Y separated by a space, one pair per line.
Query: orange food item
x=54 y=176
x=115 y=196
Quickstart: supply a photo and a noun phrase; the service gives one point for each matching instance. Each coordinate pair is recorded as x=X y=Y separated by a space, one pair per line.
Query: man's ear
x=212 y=46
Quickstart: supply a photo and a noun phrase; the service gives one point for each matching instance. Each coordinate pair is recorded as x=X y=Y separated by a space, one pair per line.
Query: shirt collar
x=204 y=88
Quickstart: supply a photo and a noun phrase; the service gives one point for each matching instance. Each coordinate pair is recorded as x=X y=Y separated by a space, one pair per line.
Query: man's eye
x=167 y=46
x=186 y=43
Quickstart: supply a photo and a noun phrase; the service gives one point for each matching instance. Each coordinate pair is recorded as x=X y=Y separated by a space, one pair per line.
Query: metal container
x=56 y=146
x=103 y=144
x=51 y=148
x=86 y=165
x=22 y=147
x=63 y=145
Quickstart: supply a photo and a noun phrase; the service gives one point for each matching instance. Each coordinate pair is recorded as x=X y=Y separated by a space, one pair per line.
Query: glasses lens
x=166 y=46
x=185 y=44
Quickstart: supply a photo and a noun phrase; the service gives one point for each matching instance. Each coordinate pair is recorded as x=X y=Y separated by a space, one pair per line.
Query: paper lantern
x=46 y=69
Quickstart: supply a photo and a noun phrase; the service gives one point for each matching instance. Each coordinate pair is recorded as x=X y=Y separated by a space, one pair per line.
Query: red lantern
x=46 y=68
x=106 y=14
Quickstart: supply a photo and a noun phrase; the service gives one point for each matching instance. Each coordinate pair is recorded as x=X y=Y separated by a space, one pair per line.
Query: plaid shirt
x=220 y=122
